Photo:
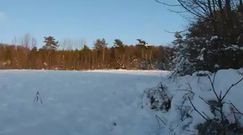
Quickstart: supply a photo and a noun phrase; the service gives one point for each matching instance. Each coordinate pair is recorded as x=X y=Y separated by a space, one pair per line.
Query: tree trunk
x=228 y=8
x=220 y=7
x=241 y=6
x=229 y=17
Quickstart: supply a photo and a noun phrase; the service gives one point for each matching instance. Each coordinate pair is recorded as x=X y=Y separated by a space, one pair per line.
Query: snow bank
x=133 y=72
x=180 y=88
x=162 y=73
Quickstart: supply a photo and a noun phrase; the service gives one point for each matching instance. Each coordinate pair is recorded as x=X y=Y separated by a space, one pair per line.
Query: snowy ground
x=109 y=102
x=199 y=90
x=76 y=103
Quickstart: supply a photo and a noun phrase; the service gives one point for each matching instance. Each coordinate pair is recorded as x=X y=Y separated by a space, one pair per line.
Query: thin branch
x=199 y=4
x=208 y=103
x=197 y=110
x=167 y=4
x=177 y=12
x=220 y=94
x=233 y=85
x=182 y=90
x=190 y=87
x=236 y=109
x=213 y=88
x=159 y=119
x=189 y=10
x=204 y=100
x=205 y=115
x=214 y=76
x=173 y=32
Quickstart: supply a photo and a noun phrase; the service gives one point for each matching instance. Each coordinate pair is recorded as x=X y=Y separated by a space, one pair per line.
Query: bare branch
x=190 y=87
x=201 y=114
x=233 y=85
x=200 y=5
x=190 y=10
x=214 y=76
x=166 y=4
x=173 y=32
x=236 y=109
x=213 y=88
x=178 y=12
x=204 y=100
x=159 y=119
x=205 y=115
x=208 y=103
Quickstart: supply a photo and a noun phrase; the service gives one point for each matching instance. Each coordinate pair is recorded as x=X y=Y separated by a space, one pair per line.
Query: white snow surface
x=76 y=103
x=201 y=87
x=104 y=102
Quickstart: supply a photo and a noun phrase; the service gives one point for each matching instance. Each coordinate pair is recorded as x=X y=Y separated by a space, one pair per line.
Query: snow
x=134 y=72
x=106 y=102
x=76 y=103
x=214 y=37
x=201 y=87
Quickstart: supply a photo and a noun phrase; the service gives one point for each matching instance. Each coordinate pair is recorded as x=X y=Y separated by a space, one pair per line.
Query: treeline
x=119 y=56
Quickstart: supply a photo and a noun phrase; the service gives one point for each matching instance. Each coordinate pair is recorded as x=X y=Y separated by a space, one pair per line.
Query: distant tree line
x=119 y=56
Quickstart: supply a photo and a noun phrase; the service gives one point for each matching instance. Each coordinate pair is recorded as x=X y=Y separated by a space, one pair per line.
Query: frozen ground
x=109 y=102
x=199 y=90
x=76 y=103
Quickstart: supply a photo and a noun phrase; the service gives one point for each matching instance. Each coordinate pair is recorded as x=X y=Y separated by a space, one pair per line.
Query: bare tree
x=206 y=9
x=33 y=42
x=26 y=41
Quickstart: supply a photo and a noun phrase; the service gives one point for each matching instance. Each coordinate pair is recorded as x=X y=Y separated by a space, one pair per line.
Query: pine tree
x=118 y=43
x=101 y=47
x=50 y=43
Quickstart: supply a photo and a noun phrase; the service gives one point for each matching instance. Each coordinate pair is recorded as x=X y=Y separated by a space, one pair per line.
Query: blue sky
x=88 y=20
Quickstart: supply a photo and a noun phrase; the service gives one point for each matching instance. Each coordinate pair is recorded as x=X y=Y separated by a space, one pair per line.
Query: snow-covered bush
x=205 y=53
x=222 y=121
x=203 y=103
x=187 y=56
x=159 y=98
x=214 y=127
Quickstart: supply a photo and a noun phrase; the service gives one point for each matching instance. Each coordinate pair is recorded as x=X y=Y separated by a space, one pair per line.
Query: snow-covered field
x=109 y=102
x=76 y=103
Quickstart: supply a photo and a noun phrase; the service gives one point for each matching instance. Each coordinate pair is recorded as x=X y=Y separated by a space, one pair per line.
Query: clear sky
x=88 y=20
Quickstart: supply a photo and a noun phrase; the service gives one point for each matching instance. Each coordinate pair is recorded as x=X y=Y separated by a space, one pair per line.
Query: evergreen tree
x=118 y=43
x=50 y=43
x=141 y=42
x=100 y=44
x=213 y=40
x=100 y=47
